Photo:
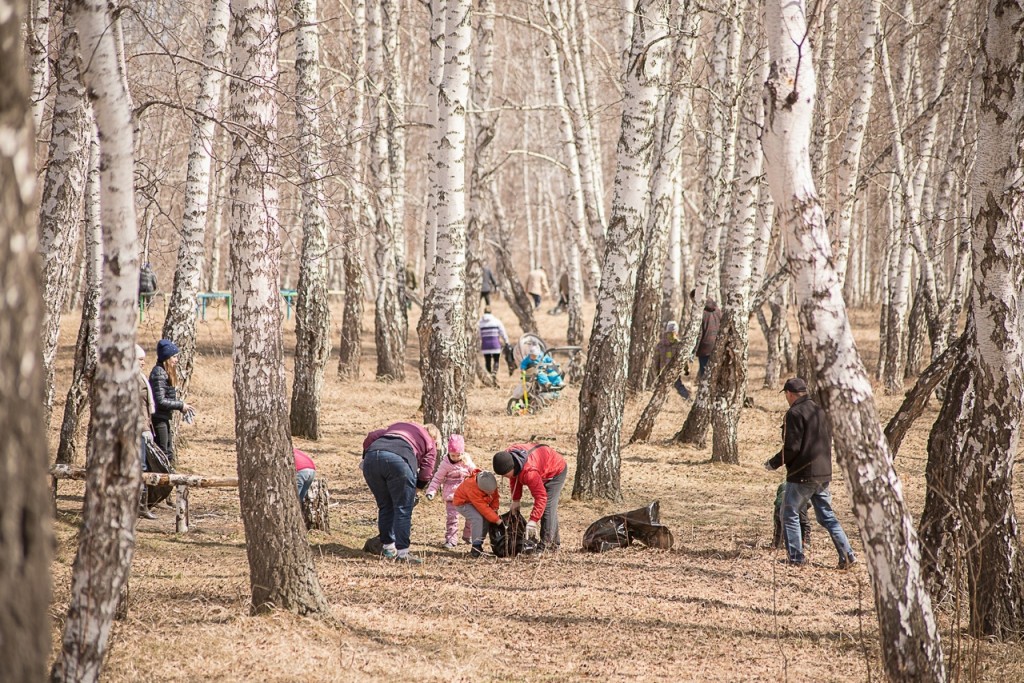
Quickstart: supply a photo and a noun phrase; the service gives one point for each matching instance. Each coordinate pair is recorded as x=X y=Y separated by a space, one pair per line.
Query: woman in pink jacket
x=452 y=471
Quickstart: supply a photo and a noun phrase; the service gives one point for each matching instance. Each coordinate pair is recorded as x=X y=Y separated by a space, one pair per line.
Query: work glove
x=514 y=507
x=430 y=496
x=531 y=531
x=768 y=466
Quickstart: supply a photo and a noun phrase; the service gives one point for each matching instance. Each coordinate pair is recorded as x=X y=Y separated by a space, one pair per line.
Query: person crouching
x=477 y=500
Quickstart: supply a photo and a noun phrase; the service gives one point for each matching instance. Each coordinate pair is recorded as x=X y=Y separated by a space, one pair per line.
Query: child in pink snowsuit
x=454 y=467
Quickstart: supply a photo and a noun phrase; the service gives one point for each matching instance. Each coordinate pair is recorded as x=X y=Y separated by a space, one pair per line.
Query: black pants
x=164 y=438
x=486 y=296
x=536 y=300
x=491 y=362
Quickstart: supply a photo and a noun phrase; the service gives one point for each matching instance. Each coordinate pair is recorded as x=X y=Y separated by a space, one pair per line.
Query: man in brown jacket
x=537 y=285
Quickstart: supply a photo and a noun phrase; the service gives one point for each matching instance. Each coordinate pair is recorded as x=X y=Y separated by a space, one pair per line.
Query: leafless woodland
x=842 y=178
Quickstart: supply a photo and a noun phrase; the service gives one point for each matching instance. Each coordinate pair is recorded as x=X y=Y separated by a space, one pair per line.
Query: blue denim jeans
x=393 y=484
x=797 y=497
x=303 y=480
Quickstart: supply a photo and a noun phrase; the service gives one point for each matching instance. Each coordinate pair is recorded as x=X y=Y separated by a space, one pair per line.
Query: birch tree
x=25 y=524
x=37 y=38
x=88 y=330
x=602 y=396
x=909 y=636
x=856 y=129
x=60 y=208
x=312 y=316
x=180 y=323
x=995 y=572
x=107 y=539
x=444 y=387
x=647 y=309
x=356 y=214
x=389 y=310
x=281 y=572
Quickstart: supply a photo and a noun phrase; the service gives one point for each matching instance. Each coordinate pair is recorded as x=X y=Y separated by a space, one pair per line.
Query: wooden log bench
x=315 y=510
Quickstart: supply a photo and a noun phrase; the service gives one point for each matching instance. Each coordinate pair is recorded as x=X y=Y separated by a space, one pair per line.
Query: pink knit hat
x=456 y=444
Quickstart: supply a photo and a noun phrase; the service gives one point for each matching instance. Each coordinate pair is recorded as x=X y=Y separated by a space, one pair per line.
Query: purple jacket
x=492 y=334
x=417 y=437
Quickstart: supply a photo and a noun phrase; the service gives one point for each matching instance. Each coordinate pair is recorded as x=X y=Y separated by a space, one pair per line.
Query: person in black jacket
x=162 y=380
x=807 y=455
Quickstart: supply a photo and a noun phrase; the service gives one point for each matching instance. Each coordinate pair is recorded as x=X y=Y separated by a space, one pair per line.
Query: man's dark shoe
x=477 y=551
x=793 y=563
x=848 y=561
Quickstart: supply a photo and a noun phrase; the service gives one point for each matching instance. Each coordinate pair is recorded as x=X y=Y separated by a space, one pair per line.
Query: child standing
x=454 y=468
x=477 y=500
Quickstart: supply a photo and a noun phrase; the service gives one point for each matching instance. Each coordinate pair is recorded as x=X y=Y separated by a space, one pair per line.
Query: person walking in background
x=710 y=321
x=146 y=409
x=164 y=379
x=305 y=473
x=488 y=285
x=537 y=285
x=807 y=454
x=563 y=294
x=492 y=338
x=452 y=471
x=397 y=460
x=542 y=470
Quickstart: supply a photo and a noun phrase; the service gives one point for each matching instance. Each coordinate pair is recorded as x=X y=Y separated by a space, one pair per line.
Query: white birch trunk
x=995 y=569
x=25 y=517
x=358 y=213
x=60 y=209
x=312 y=315
x=281 y=572
x=180 y=323
x=856 y=128
x=909 y=636
x=445 y=384
x=38 y=39
x=434 y=76
x=578 y=218
x=110 y=509
x=602 y=396
x=647 y=306
x=88 y=330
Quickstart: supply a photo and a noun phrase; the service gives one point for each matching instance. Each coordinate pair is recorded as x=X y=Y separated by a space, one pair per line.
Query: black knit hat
x=502 y=462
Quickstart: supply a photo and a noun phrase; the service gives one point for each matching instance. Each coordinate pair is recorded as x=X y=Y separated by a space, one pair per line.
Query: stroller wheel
x=536 y=404
x=514 y=406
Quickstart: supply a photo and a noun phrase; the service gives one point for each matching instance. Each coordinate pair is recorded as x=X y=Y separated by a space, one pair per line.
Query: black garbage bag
x=373 y=546
x=508 y=539
x=619 y=531
x=157 y=461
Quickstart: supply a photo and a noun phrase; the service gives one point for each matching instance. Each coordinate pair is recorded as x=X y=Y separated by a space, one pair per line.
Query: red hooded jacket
x=542 y=464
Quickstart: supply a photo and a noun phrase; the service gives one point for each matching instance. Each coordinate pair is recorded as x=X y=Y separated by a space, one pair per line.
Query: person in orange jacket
x=542 y=470
x=476 y=499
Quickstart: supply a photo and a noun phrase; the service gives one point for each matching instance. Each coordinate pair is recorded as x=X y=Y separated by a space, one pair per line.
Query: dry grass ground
x=718 y=607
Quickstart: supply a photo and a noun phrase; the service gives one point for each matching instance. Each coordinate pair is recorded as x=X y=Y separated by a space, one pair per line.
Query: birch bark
x=602 y=396
x=25 y=520
x=180 y=323
x=37 y=36
x=357 y=214
x=909 y=636
x=88 y=330
x=281 y=572
x=444 y=390
x=60 y=208
x=107 y=540
x=312 y=315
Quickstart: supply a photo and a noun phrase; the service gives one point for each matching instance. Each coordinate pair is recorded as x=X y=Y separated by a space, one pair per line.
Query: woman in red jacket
x=542 y=470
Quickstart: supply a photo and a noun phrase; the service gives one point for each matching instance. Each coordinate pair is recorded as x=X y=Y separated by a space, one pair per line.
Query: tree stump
x=315 y=508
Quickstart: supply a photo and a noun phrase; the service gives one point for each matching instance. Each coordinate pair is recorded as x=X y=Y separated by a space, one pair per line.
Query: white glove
x=430 y=496
x=531 y=531
x=514 y=507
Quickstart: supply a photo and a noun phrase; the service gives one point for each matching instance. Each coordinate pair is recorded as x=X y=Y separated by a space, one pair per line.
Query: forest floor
x=717 y=607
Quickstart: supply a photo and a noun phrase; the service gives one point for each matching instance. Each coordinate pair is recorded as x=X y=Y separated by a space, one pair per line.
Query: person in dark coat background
x=807 y=454
x=163 y=379
x=710 y=321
